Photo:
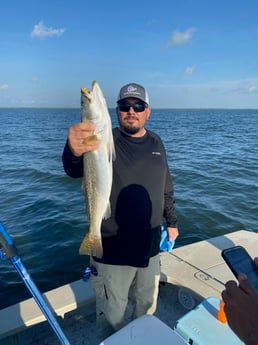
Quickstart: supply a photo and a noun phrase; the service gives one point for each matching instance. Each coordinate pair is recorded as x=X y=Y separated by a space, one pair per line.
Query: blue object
x=165 y=244
x=8 y=250
x=88 y=271
x=7 y=247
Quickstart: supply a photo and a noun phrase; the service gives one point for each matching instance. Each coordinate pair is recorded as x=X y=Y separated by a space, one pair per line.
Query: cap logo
x=131 y=89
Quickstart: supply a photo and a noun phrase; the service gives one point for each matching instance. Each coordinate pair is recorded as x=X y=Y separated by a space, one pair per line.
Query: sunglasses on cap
x=137 y=107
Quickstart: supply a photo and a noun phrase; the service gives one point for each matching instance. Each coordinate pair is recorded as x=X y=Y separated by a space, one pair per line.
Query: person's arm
x=73 y=165
x=241 y=309
x=169 y=209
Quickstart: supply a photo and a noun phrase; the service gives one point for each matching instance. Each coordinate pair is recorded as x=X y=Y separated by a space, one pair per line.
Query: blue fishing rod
x=8 y=251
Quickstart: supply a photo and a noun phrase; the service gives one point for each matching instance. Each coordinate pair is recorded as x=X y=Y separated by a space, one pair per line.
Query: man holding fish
x=129 y=192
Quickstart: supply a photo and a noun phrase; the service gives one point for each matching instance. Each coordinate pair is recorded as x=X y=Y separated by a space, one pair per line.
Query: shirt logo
x=156 y=153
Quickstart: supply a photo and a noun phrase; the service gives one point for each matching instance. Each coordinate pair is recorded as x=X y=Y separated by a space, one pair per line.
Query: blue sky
x=187 y=53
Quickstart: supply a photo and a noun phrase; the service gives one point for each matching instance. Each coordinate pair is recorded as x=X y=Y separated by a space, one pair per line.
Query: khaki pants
x=112 y=286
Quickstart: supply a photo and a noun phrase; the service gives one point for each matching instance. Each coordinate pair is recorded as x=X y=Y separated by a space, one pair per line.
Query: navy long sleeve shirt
x=141 y=197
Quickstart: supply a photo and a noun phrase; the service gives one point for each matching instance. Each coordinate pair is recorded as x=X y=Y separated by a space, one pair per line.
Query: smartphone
x=239 y=261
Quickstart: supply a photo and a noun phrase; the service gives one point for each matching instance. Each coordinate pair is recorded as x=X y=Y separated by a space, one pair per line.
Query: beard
x=128 y=128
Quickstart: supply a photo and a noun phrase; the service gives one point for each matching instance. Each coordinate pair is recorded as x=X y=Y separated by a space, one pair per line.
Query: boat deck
x=188 y=275
x=200 y=266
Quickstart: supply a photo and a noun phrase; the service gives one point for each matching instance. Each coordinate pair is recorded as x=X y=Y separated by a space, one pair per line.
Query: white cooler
x=146 y=330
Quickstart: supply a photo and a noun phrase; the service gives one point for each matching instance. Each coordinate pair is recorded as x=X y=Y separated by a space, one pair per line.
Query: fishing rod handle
x=7 y=247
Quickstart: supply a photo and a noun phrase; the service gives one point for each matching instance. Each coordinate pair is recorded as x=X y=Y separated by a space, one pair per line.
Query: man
x=141 y=195
x=241 y=308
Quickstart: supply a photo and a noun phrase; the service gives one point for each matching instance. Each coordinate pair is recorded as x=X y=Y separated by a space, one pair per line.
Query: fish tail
x=97 y=249
x=86 y=245
x=91 y=245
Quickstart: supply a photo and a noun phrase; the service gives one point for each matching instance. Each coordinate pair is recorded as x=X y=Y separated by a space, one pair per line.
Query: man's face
x=132 y=116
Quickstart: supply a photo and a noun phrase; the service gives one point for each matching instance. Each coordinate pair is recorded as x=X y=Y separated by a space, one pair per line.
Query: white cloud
x=189 y=70
x=247 y=87
x=41 y=31
x=4 y=87
x=181 y=37
x=253 y=89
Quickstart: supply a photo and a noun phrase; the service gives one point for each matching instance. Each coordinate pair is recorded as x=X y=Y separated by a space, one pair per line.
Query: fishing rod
x=8 y=251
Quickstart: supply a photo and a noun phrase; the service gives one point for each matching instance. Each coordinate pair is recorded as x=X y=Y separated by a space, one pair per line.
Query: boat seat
x=146 y=330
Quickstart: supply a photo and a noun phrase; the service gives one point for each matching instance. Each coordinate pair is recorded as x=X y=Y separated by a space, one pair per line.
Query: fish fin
x=107 y=213
x=97 y=249
x=86 y=245
x=91 y=140
x=91 y=245
x=111 y=151
x=83 y=185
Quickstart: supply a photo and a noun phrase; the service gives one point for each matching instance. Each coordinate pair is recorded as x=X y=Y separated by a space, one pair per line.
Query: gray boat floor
x=79 y=325
x=188 y=275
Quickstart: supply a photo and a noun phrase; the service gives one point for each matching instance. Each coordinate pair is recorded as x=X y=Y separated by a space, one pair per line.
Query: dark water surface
x=212 y=155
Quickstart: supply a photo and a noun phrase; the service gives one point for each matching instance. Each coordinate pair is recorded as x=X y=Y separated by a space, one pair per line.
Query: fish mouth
x=87 y=94
x=85 y=91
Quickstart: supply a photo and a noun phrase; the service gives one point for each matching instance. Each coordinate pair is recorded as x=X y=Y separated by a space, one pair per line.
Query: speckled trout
x=97 y=179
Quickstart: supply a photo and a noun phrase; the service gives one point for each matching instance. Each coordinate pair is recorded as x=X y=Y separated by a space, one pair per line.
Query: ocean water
x=212 y=156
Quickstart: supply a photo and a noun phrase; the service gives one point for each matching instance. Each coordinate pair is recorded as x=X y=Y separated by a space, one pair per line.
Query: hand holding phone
x=239 y=261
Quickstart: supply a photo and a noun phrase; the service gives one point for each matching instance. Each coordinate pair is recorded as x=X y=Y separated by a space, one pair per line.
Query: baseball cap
x=133 y=90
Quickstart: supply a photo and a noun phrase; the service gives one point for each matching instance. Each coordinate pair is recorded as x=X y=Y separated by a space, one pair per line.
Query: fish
x=97 y=168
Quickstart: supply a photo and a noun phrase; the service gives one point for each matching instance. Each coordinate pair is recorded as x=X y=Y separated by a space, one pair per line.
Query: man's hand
x=172 y=233
x=81 y=138
x=241 y=309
